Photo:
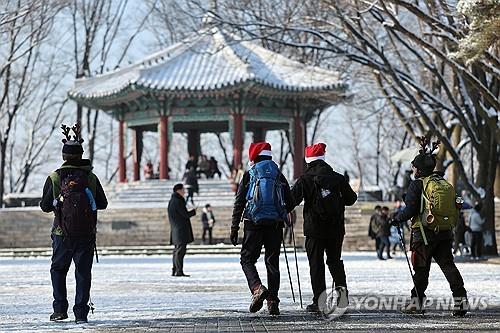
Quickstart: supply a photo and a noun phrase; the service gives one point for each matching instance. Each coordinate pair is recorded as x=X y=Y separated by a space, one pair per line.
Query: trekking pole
x=403 y=244
x=288 y=268
x=296 y=266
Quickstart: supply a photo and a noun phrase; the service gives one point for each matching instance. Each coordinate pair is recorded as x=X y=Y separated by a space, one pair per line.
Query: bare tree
x=405 y=45
x=24 y=25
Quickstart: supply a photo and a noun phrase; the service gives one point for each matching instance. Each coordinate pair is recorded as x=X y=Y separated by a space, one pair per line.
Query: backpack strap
x=56 y=184
x=423 y=198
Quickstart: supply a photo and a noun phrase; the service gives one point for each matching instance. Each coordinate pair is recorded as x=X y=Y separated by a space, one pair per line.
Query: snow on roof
x=209 y=60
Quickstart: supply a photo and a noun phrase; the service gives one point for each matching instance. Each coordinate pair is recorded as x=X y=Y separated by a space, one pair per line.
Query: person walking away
x=208 y=221
x=181 y=232
x=74 y=194
x=191 y=181
x=237 y=177
x=431 y=234
x=262 y=201
x=476 y=223
x=214 y=168
x=289 y=226
x=372 y=227
x=325 y=194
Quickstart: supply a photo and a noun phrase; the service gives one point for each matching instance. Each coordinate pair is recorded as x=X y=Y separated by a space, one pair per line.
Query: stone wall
x=29 y=227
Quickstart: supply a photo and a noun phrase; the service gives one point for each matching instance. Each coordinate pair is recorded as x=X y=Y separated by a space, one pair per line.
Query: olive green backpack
x=438 y=210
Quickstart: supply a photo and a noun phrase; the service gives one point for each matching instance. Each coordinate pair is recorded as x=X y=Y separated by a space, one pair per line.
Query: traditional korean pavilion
x=210 y=82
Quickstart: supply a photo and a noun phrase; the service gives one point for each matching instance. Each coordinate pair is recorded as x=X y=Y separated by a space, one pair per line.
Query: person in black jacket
x=181 y=232
x=255 y=236
x=439 y=244
x=68 y=247
x=325 y=194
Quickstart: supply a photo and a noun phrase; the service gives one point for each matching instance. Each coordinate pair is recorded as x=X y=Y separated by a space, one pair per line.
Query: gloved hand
x=234 y=237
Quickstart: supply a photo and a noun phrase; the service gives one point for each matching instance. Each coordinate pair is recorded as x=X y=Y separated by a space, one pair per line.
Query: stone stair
x=156 y=193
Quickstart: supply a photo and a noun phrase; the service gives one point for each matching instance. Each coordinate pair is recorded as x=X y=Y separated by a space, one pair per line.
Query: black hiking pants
x=316 y=248
x=253 y=239
x=476 y=243
x=81 y=252
x=440 y=251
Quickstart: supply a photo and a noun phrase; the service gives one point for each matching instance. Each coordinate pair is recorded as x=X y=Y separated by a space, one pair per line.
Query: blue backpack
x=265 y=196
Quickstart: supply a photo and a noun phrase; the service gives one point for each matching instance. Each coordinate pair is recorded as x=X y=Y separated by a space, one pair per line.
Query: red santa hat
x=315 y=152
x=259 y=149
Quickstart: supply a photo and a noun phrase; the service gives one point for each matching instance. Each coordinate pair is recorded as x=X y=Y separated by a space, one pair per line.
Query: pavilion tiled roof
x=210 y=61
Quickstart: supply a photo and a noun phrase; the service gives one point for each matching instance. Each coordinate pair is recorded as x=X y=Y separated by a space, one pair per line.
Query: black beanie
x=425 y=163
x=72 y=148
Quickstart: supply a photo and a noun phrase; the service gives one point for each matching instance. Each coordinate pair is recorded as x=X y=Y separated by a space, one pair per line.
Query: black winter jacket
x=304 y=189
x=181 y=231
x=240 y=202
x=46 y=204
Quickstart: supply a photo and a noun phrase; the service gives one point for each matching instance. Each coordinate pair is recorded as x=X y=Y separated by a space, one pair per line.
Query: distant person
x=459 y=243
x=325 y=194
x=289 y=226
x=214 y=168
x=394 y=233
x=73 y=192
x=191 y=182
x=204 y=166
x=191 y=163
x=181 y=232
x=208 y=221
x=263 y=224
x=237 y=176
x=372 y=227
x=383 y=232
x=476 y=225
x=148 y=170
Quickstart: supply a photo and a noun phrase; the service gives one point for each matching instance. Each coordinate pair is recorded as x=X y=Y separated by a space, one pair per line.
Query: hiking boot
x=313 y=307
x=258 y=297
x=81 y=320
x=57 y=316
x=173 y=272
x=273 y=308
x=460 y=307
x=413 y=307
x=182 y=274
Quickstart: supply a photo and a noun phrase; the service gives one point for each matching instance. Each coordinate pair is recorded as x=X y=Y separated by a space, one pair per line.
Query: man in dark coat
x=325 y=194
x=181 y=232
x=383 y=228
x=269 y=235
x=67 y=247
x=438 y=244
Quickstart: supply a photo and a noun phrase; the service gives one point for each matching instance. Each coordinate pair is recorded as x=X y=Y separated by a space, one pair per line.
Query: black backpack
x=74 y=211
x=326 y=199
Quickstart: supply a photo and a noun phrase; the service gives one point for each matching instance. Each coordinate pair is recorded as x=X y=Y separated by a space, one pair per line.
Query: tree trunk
x=497 y=182
x=3 y=147
x=453 y=173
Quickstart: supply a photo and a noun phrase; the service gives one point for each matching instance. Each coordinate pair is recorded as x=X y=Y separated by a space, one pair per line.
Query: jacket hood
x=83 y=164
x=322 y=172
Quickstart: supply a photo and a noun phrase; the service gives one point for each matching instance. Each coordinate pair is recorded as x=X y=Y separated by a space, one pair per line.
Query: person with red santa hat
x=263 y=201
x=325 y=194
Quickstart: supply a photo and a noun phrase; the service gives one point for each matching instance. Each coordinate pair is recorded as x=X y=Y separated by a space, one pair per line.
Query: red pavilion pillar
x=122 y=172
x=137 y=152
x=298 y=146
x=163 y=130
x=237 y=139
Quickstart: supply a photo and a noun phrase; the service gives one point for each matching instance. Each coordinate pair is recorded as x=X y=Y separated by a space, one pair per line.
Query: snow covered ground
x=133 y=291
